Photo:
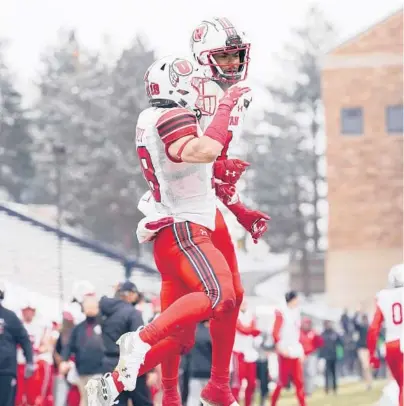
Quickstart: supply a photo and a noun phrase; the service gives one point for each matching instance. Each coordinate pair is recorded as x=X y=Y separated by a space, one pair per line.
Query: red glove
x=229 y=170
x=232 y=96
x=225 y=192
x=254 y=221
x=374 y=362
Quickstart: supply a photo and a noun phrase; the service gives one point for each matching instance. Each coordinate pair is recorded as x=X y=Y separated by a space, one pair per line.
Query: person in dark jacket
x=119 y=317
x=87 y=346
x=12 y=334
x=361 y=323
x=200 y=362
x=331 y=340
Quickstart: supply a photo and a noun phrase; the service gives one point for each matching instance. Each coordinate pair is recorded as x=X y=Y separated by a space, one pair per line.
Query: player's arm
x=178 y=129
x=254 y=221
x=276 y=332
x=186 y=146
x=249 y=331
x=374 y=331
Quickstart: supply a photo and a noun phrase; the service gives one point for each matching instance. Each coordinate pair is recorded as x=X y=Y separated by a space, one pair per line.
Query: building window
x=352 y=121
x=394 y=119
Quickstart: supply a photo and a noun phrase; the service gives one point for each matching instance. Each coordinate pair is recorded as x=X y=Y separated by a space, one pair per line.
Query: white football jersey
x=182 y=190
x=391 y=304
x=290 y=332
x=234 y=147
x=243 y=343
x=37 y=332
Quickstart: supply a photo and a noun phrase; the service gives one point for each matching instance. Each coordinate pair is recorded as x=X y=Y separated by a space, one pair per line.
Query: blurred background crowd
x=80 y=344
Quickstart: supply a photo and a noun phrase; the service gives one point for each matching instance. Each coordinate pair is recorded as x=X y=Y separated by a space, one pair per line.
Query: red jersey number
x=397 y=313
x=225 y=149
x=149 y=172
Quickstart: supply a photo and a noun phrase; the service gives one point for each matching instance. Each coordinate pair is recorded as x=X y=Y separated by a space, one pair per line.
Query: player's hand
x=29 y=370
x=232 y=95
x=229 y=170
x=255 y=222
x=225 y=192
x=374 y=362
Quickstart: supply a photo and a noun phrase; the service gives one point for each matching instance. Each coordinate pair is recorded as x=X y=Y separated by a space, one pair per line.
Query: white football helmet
x=219 y=36
x=171 y=82
x=396 y=276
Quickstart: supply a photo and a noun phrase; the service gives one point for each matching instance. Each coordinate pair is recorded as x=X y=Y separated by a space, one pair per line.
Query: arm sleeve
x=374 y=330
x=175 y=124
x=21 y=337
x=249 y=331
x=276 y=333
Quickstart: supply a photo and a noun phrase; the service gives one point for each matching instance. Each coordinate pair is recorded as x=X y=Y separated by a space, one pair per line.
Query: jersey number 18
x=149 y=173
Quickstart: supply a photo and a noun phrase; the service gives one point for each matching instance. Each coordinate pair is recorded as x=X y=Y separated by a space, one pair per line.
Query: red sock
x=188 y=309
x=169 y=371
x=223 y=332
x=157 y=354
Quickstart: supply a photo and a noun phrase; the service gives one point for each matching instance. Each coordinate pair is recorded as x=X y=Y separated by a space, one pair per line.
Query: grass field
x=353 y=394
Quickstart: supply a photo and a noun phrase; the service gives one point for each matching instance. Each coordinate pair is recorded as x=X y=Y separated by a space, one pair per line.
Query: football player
x=222 y=54
x=177 y=158
x=389 y=309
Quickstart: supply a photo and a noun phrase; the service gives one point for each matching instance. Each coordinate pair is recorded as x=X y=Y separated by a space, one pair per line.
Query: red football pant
x=174 y=287
x=394 y=359
x=289 y=367
x=244 y=370
x=34 y=390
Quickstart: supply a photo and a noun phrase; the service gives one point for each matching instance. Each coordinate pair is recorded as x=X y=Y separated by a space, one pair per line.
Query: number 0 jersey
x=182 y=190
x=390 y=302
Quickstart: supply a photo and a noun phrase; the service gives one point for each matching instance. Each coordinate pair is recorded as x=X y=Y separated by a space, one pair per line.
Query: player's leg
x=238 y=374
x=20 y=394
x=171 y=290
x=394 y=359
x=222 y=348
x=167 y=351
x=189 y=255
x=34 y=385
x=283 y=377
x=221 y=239
x=298 y=379
x=188 y=249
x=251 y=377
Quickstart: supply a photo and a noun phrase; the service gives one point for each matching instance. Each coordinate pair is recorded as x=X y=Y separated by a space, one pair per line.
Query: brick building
x=362 y=83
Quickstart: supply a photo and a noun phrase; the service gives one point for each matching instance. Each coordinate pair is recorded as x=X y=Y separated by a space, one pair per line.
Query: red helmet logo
x=182 y=67
x=200 y=33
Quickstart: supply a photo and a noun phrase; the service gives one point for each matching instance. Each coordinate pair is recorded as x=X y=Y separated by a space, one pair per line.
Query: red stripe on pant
x=198 y=260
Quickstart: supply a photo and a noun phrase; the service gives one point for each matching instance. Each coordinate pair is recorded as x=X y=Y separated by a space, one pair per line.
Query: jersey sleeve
x=374 y=330
x=175 y=124
x=276 y=333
